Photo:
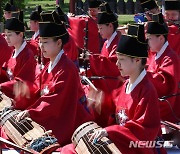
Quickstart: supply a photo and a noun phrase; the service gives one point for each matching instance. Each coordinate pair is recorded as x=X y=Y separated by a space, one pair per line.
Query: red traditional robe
x=5 y=51
x=22 y=67
x=110 y=52
x=137 y=114
x=59 y=107
x=105 y=65
x=174 y=38
x=137 y=118
x=165 y=75
x=71 y=50
x=34 y=45
x=78 y=24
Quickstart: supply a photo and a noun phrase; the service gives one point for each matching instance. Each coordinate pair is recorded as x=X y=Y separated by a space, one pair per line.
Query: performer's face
x=34 y=25
x=172 y=15
x=126 y=65
x=93 y=12
x=7 y=15
x=155 y=42
x=49 y=47
x=12 y=38
x=105 y=30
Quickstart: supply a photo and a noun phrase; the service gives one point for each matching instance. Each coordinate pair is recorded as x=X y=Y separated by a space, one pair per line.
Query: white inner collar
x=35 y=35
x=130 y=87
x=17 y=52
x=56 y=60
x=162 y=50
x=111 y=39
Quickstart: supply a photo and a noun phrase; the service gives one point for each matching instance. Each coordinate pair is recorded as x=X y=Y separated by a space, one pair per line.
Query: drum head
x=4 y=101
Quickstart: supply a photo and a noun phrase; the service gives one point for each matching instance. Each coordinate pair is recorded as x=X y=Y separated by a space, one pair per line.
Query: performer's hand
x=21 y=90
x=70 y=14
x=22 y=115
x=97 y=135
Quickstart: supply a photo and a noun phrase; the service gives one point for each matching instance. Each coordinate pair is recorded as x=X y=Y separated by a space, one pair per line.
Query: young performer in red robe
x=93 y=8
x=136 y=113
x=104 y=64
x=5 y=51
x=34 y=26
x=70 y=48
x=22 y=63
x=34 y=41
x=163 y=67
x=84 y=29
x=59 y=100
x=8 y=9
x=172 y=16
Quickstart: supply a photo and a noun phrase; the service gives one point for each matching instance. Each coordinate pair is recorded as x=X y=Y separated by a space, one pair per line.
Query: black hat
x=39 y=9
x=157 y=26
x=15 y=23
x=50 y=16
x=104 y=7
x=50 y=29
x=106 y=15
x=35 y=15
x=148 y=4
x=133 y=45
x=94 y=3
x=172 y=5
x=60 y=13
x=7 y=7
x=136 y=30
x=51 y=26
x=19 y=15
x=10 y=6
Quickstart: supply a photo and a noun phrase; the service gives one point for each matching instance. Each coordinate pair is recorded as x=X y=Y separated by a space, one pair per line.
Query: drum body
x=7 y=151
x=78 y=32
x=26 y=133
x=80 y=140
x=4 y=101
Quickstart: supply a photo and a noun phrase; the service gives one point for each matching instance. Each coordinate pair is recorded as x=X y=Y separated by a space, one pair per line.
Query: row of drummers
x=124 y=99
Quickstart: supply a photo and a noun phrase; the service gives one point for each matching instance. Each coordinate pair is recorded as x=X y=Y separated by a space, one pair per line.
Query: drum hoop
x=6 y=116
x=8 y=100
x=81 y=141
x=8 y=113
x=80 y=128
x=54 y=146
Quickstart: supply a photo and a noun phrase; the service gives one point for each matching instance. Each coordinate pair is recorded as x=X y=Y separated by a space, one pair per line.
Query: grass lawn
x=50 y=5
x=125 y=19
